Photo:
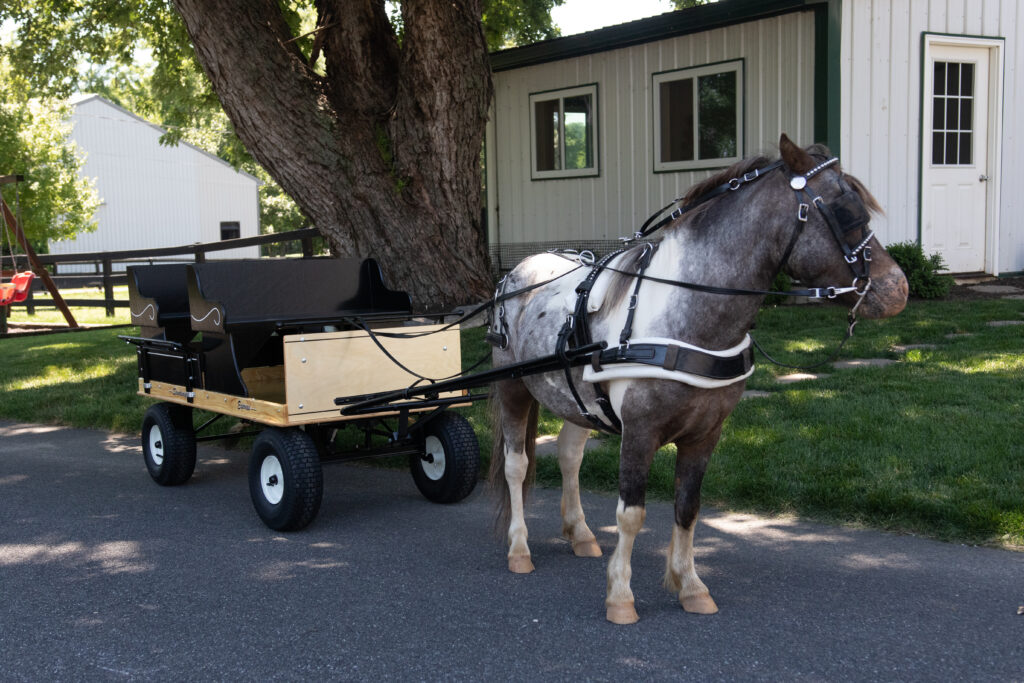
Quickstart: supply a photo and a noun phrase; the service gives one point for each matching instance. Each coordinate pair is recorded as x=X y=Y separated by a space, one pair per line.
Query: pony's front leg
x=634 y=465
x=571 y=443
x=680 y=572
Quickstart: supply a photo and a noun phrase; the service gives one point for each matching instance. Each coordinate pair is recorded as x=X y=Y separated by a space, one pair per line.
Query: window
x=952 y=114
x=230 y=230
x=564 y=133
x=698 y=117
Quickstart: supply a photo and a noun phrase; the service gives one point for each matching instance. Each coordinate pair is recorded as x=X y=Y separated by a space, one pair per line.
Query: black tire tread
x=462 y=460
x=300 y=458
x=179 y=439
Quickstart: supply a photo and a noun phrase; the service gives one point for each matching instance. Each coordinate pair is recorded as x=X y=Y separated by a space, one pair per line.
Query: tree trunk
x=382 y=152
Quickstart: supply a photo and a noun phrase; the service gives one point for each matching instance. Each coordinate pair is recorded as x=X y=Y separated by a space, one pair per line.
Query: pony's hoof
x=622 y=613
x=520 y=564
x=586 y=548
x=699 y=604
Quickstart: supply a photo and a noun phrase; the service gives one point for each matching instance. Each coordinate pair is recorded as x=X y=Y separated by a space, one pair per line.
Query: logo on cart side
x=245 y=406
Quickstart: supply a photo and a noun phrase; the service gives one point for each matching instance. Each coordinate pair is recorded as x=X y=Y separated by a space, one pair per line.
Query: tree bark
x=382 y=152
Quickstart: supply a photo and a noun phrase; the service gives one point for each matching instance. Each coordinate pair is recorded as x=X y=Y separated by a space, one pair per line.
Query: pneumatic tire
x=448 y=466
x=285 y=478
x=169 y=443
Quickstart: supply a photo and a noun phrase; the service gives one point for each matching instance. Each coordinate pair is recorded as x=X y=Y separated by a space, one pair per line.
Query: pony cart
x=651 y=342
x=273 y=343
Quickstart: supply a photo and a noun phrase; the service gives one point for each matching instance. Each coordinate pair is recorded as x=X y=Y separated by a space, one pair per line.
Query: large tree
x=372 y=123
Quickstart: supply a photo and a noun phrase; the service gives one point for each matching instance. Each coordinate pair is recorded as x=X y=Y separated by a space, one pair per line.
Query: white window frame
x=561 y=95
x=735 y=66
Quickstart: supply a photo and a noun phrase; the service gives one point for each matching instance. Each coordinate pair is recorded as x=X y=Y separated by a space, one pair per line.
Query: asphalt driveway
x=106 y=576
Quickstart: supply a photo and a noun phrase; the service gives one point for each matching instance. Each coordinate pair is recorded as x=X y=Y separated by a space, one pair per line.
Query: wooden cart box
x=320 y=367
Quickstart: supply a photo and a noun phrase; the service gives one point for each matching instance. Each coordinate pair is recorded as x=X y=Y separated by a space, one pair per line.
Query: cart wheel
x=285 y=479
x=169 y=443
x=447 y=469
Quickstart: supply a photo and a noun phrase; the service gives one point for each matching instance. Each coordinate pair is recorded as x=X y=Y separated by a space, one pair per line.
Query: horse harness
x=843 y=215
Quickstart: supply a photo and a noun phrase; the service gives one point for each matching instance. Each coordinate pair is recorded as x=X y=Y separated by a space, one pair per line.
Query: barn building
x=155 y=195
x=591 y=133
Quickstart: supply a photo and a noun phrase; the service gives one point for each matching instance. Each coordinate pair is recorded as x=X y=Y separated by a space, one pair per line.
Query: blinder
x=849 y=211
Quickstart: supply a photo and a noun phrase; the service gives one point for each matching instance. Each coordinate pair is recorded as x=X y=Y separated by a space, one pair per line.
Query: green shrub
x=922 y=271
x=782 y=283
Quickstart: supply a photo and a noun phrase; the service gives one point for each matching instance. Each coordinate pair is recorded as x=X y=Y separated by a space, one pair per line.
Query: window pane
x=965 y=114
x=952 y=113
x=965 y=148
x=952 y=79
x=938 y=147
x=967 y=79
x=938 y=113
x=716 y=117
x=579 y=132
x=939 y=82
x=951 y=148
x=676 y=103
x=546 y=127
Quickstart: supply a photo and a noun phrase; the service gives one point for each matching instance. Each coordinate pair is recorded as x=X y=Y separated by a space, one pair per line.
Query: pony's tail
x=498 y=483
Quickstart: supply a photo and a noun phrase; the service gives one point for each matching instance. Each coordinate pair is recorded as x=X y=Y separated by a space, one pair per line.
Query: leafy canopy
x=138 y=55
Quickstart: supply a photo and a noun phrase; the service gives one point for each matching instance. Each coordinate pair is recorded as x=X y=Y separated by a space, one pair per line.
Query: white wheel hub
x=156 y=446
x=272 y=479
x=433 y=460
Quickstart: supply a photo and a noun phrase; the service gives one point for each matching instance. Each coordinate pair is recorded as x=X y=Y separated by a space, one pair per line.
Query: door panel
x=955 y=163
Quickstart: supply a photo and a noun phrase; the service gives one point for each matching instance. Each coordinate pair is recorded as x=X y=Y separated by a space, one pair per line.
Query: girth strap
x=690 y=361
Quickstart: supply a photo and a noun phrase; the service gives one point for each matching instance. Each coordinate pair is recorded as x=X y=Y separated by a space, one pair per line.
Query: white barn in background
x=591 y=133
x=155 y=195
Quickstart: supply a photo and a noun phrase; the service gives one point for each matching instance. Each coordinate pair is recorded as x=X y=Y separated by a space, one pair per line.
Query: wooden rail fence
x=106 y=274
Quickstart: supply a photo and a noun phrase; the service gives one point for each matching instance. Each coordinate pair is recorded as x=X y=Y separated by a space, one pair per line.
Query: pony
x=692 y=289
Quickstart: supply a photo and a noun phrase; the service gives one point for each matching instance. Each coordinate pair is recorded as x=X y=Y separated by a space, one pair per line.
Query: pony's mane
x=734 y=171
x=746 y=165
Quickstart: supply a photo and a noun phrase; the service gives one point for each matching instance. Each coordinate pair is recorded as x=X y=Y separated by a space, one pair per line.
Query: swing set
x=16 y=284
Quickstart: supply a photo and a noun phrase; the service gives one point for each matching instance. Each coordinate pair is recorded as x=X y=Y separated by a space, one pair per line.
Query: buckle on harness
x=734 y=184
x=632 y=302
x=751 y=175
x=801 y=213
x=850 y=258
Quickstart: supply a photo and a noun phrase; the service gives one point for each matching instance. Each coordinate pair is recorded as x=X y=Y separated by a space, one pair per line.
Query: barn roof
x=76 y=100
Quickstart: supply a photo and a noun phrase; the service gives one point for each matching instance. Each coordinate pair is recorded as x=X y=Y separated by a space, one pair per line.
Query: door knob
x=982 y=178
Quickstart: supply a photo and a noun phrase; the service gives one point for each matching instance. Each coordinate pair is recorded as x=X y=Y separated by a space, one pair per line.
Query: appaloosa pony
x=674 y=311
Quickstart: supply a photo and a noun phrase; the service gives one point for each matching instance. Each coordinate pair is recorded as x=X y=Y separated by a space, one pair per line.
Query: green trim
x=668 y=25
x=828 y=17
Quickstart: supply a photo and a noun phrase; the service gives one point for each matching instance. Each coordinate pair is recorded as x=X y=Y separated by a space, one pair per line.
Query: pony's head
x=834 y=244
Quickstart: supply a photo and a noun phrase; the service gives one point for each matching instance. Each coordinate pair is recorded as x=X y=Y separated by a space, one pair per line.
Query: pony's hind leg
x=680 y=573
x=513 y=460
x=571 y=442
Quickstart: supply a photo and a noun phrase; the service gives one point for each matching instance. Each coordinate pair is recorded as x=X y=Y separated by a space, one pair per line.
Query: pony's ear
x=796 y=158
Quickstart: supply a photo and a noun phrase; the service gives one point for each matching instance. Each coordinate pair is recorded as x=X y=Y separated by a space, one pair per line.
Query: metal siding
x=778 y=56
x=881 y=102
x=150 y=192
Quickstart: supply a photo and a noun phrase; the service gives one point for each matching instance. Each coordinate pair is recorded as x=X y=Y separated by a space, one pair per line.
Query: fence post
x=200 y=254
x=307 y=247
x=108 y=287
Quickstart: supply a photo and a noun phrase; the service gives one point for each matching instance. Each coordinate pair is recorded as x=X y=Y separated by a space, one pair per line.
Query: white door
x=955 y=150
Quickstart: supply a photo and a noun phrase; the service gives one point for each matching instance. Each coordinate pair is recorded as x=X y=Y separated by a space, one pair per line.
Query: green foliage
x=782 y=283
x=922 y=271
x=508 y=23
x=53 y=201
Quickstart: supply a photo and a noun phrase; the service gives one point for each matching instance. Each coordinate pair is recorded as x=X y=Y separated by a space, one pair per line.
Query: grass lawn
x=932 y=444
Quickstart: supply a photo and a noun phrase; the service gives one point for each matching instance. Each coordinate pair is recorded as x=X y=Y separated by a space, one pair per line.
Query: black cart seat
x=244 y=307
x=158 y=301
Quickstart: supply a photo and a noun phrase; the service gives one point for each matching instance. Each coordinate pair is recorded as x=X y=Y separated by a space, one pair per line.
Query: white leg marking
x=681 y=575
x=515 y=474
x=619 y=601
x=571 y=442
